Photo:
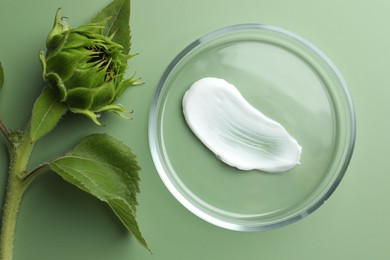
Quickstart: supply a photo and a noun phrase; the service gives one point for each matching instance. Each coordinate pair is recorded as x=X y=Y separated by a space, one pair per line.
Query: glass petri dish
x=290 y=81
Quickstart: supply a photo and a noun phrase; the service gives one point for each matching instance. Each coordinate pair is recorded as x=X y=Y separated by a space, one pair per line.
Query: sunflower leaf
x=46 y=113
x=107 y=169
x=117 y=17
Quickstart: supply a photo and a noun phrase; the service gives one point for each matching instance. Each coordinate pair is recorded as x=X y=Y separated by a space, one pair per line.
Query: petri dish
x=289 y=80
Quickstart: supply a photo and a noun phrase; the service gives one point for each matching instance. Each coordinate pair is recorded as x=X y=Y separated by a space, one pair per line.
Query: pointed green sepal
x=91 y=115
x=58 y=27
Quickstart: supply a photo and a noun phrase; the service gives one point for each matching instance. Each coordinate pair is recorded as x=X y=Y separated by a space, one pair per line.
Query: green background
x=59 y=222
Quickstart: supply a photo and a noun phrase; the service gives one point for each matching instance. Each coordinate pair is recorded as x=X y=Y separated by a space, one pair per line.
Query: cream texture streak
x=236 y=132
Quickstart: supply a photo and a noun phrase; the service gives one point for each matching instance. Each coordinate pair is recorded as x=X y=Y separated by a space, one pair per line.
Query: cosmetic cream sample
x=236 y=132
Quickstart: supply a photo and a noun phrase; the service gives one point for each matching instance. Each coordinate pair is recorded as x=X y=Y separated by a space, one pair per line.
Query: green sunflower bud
x=86 y=68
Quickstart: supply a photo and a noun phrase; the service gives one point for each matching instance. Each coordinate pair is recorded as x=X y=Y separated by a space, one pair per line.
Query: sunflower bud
x=86 y=68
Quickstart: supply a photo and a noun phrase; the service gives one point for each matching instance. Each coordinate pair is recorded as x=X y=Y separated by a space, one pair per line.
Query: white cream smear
x=236 y=132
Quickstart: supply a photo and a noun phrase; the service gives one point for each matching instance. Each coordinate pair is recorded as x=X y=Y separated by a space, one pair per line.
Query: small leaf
x=46 y=113
x=1 y=77
x=118 y=15
x=108 y=170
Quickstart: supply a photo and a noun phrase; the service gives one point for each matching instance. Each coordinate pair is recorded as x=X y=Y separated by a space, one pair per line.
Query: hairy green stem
x=19 y=156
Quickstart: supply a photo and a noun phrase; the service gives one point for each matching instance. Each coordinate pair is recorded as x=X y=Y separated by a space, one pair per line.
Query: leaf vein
x=115 y=18
x=91 y=160
x=44 y=116
x=64 y=167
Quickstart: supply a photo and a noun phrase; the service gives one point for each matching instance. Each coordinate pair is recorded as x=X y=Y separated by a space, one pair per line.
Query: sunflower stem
x=19 y=153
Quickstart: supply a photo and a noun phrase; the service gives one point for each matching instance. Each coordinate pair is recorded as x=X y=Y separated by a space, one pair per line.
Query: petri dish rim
x=174 y=185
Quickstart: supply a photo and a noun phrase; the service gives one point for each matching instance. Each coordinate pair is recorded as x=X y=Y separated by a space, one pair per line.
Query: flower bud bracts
x=86 y=67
